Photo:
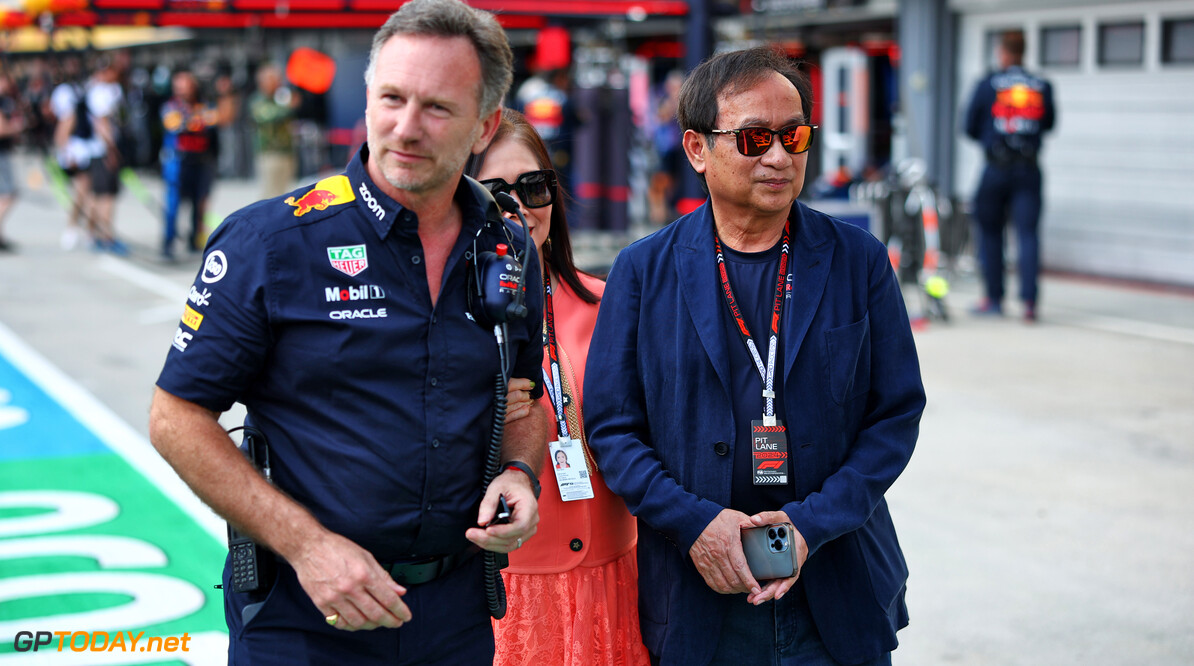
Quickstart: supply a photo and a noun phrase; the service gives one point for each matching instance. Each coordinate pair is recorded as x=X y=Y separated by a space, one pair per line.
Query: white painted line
x=148 y=281
x=111 y=430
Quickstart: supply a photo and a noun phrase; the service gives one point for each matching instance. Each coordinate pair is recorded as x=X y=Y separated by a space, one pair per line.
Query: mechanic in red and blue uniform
x=1009 y=111
x=188 y=157
x=339 y=316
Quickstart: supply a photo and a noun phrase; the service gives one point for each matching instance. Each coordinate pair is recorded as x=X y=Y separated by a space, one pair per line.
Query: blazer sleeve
x=616 y=415
x=889 y=426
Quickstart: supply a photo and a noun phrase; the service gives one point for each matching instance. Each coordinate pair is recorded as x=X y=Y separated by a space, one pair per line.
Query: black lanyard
x=555 y=387
x=767 y=373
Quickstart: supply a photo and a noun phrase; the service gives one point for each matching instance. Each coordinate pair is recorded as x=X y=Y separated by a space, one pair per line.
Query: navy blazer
x=660 y=423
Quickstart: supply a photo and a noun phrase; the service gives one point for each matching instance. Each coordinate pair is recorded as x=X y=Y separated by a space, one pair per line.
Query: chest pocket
x=849 y=366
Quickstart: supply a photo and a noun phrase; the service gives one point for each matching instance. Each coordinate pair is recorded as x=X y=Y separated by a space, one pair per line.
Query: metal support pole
x=926 y=30
x=698 y=45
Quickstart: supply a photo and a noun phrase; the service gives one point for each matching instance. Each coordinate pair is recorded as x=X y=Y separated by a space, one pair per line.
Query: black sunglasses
x=754 y=141
x=535 y=189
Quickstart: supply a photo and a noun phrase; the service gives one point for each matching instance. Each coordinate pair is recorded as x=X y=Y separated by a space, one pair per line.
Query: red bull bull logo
x=1018 y=109
x=327 y=192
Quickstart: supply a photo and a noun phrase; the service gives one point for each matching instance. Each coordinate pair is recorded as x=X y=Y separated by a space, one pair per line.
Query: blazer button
x=576 y=545
x=721 y=448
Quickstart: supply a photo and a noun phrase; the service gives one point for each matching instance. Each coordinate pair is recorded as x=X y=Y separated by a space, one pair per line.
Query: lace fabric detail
x=584 y=617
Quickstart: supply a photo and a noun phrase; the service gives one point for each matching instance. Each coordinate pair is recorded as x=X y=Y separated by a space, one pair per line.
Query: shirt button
x=434 y=381
x=435 y=443
x=415 y=259
x=428 y=508
x=576 y=545
x=721 y=448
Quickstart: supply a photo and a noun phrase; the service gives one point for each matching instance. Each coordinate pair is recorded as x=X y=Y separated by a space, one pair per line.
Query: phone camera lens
x=771 y=533
x=777 y=546
x=782 y=533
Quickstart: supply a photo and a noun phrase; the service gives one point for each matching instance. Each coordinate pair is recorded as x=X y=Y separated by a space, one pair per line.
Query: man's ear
x=697 y=149
x=489 y=127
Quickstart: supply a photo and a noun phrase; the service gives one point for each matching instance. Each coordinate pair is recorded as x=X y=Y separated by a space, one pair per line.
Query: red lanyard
x=555 y=387
x=767 y=374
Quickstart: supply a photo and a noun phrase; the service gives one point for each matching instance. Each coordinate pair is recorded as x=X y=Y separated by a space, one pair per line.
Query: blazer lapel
x=812 y=255
x=696 y=277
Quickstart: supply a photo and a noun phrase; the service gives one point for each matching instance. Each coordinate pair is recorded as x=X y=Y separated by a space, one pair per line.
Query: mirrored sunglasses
x=535 y=189
x=754 y=141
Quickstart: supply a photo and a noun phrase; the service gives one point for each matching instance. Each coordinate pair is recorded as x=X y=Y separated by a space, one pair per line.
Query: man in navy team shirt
x=339 y=316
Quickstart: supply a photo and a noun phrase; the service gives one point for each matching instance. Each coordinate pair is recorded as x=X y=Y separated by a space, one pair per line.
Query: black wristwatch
x=525 y=469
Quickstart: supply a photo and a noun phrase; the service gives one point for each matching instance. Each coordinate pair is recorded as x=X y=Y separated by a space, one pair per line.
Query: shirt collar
x=386 y=215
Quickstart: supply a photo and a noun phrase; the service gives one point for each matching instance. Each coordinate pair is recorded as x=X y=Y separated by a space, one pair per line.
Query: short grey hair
x=453 y=18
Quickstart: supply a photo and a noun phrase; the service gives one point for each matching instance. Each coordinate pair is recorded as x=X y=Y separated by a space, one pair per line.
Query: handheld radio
x=252 y=564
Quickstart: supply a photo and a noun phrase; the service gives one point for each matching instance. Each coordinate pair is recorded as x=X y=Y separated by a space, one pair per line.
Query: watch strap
x=525 y=469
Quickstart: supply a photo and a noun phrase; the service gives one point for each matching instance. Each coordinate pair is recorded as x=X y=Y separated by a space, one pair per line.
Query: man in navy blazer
x=753 y=364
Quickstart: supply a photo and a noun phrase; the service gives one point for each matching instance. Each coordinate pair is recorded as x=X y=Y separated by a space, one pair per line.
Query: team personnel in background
x=756 y=366
x=12 y=123
x=571 y=590
x=189 y=150
x=105 y=103
x=340 y=317
x=546 y=101
x=1009 y=112
x=74 y=139
x=273 y=110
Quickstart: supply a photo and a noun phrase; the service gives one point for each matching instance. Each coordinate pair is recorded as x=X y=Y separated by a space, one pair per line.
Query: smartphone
x=770 y=552
x=502 y=515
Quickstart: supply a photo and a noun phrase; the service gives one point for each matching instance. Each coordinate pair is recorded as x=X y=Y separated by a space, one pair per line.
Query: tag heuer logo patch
x=350 y=259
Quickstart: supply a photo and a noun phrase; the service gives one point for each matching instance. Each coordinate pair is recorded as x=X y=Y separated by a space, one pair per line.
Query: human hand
x=518 y=399
x=524 y=514
x=775 y=589
x=343 y=579
x=717 y=555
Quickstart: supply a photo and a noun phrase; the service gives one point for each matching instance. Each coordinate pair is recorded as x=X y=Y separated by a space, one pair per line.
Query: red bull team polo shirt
x=313 y=311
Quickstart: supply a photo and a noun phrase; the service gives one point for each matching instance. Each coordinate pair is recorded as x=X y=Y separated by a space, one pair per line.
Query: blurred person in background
x=36 y=89
x=105 y=102
x=74 y=134
x=664 y=190
x=189 y=146
x=571 y=590
x=12 y=124
x=138 y=148
x=228 y=103
x=273 y=109
x=546 y=100
x=1009 y=112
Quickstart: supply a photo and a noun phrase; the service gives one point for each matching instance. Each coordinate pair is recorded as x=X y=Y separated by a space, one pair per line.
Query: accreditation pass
x=769 y=453
x=572 y=473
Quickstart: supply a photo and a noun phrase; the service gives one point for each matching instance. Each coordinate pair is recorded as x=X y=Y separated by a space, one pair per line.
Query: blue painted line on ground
x=34 y=425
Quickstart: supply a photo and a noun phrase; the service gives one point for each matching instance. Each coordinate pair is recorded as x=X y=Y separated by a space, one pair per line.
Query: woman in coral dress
x=572 y=590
